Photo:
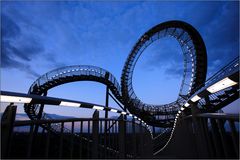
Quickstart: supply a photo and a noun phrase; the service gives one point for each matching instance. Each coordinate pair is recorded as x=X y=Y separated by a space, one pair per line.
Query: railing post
x=234 y=137
x=141 y=141
x=81 y=137
x=95 y=132
x=185 y=129
x=7 y=122
x=61 y=141
x=134 y=138
x=223 y=136
x=47 y=141
x=154 y=133
x=30 y=141
x=121 y=137
x=147 y=147
x=216 y=138
x=202 y=146
x=72 y=141
x=204 y=122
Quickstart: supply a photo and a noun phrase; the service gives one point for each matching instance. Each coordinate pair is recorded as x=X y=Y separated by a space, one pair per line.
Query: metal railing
x=230 y=68
x=161 y=139
x=206 y=135
x=77 y=70
x=220 y=134
x=74 y=138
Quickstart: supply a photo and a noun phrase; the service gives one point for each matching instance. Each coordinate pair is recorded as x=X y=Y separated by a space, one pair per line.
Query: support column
x=106 y=102
x=7 y=122
x=39 y=116
x=95 y=132
x=105 y=122
x=107 y=97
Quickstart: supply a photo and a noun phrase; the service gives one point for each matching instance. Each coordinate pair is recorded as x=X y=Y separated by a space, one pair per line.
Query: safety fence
x=74 y=138
x=204 y=135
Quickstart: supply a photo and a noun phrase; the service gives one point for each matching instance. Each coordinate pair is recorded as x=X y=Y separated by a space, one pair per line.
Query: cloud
x=52 y=62
x=11 y=51
x=8 y=62
x=25 y=40
x=164 y=54
x=174 y=73
x=10 y=29
x=86 y=32
x=222 y=37
x=218 y=24
x=17 y=51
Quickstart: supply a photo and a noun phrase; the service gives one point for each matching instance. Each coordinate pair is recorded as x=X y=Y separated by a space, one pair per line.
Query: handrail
x=234 y=117
x=230 y=64
x=45 y=121
x=59 y=72
x=166 y=130
x=90 y=130
x=212 y=116
x=234 y=63
x=224 y=116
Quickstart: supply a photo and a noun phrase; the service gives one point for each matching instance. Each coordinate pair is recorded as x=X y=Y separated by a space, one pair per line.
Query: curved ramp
x=70 y=74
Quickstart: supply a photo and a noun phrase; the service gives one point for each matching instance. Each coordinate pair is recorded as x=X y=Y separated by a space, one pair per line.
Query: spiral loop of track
x=195 y=68
x=195 y=65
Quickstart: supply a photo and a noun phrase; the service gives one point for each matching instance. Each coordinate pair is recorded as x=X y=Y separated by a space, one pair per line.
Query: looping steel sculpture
x=195 y=68
x=195 y=65
x=70 y=74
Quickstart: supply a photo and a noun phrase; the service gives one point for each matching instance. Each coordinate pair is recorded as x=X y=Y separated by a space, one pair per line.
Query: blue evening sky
x=37 y=37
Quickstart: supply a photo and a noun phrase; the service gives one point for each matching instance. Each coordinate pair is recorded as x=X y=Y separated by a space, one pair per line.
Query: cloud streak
x=218 y=24
x=19 y=50
x=84 y=33
x=13 y=56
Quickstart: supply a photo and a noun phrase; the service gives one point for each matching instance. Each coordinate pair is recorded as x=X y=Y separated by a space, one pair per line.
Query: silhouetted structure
x=189 y=126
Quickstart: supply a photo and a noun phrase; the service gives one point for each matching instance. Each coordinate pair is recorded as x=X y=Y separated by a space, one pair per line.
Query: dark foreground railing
x=220 y=133
x=201 y=135
x=206 y=135
x=74 y=138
